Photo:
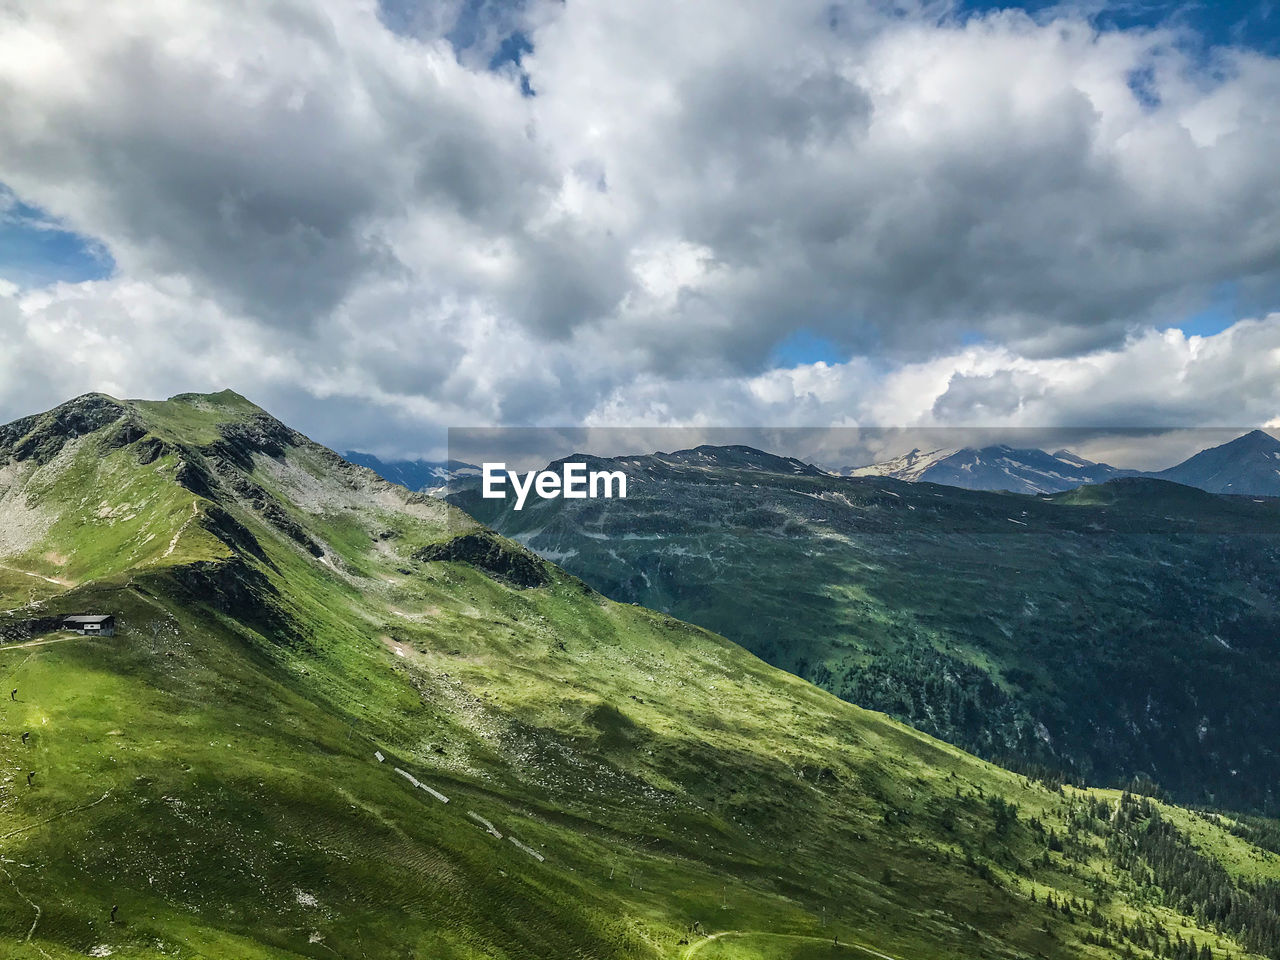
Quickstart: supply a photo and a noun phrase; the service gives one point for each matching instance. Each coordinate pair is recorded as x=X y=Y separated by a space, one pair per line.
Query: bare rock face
x=261 y=433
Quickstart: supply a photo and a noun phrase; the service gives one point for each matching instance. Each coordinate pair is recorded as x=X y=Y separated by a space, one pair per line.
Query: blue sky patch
x=36 y=250
x=1221 y=312
x=803 y=347
x=1210 y=23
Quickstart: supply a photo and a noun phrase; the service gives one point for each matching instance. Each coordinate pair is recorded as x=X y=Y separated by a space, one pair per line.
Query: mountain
x=910 y=466
x=1247 y=465
x=1117 y=630
x=993 y=468
x=310 y=661
x=416 y=475
x=735 y=457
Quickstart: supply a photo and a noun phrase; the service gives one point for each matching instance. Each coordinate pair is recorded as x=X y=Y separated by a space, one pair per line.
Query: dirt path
x=38 y=576
x=56 y=816
x=692 y=951
x=37 y=643
x=173 y=543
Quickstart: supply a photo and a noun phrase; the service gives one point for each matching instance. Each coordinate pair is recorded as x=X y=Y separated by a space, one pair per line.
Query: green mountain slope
x=1127 y=629
x=618 y=783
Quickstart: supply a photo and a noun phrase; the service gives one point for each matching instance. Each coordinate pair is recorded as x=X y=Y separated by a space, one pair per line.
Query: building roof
x=88 y=618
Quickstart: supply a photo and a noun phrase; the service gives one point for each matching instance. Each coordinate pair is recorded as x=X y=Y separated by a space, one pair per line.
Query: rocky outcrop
x=262 y=434
x=501 y=559
x=232 y=532
x=239 y=591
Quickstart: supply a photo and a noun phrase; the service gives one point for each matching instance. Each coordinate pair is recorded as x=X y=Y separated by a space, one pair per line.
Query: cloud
x=896 y=183
x=987 y=397
x=328 y=204
x=269 y=152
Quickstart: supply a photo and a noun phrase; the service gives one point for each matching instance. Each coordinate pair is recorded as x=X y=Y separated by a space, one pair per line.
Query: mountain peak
x=226 y=398
x=92 y=398
x=1258 y=437
x=1248 y=465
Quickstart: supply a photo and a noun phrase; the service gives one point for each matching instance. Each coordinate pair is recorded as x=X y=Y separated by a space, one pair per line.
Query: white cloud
x=380 y=237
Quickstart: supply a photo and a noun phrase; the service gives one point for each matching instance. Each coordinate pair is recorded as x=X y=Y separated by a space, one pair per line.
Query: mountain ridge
x=994 y=467
x=1249 y=465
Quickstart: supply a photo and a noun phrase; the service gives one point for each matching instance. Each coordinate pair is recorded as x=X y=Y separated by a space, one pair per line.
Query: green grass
x=211 y=770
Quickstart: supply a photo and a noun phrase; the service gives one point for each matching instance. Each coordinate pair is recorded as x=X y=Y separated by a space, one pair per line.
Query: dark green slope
x=1127 y=629
x=211 y=769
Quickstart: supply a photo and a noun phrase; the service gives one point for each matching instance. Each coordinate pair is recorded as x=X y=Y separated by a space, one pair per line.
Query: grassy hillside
x=1121 y=630
x=619 y=784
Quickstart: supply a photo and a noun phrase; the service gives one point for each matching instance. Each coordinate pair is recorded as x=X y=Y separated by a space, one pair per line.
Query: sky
x=381 y=220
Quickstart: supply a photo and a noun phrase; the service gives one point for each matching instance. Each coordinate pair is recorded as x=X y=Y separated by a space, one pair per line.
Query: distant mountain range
x=1116 y=629
x=1248 y=465
x=415 y=474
